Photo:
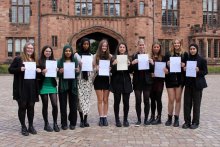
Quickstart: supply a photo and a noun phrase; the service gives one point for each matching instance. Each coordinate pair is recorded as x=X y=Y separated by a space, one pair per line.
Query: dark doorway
x=97 y=36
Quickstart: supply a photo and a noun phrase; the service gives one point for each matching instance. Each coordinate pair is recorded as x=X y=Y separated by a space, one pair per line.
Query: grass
x=214 y=69
x=4 y=68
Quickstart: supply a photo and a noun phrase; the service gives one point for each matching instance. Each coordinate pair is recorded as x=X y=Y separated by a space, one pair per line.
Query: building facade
x=58 y=22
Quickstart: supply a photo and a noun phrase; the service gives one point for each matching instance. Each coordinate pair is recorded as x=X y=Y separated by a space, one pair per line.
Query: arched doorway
x=97 y=33
x=97 y=36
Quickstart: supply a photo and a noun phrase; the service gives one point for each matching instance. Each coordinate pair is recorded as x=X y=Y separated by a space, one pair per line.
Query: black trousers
x=192 y=99
x=117 y=100
x=72 y=107
x=156 y=102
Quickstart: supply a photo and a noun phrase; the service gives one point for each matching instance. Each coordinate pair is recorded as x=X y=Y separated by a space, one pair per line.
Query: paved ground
x=207 y=135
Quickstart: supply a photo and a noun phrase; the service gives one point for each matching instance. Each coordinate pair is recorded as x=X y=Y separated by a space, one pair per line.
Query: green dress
x=48 y=87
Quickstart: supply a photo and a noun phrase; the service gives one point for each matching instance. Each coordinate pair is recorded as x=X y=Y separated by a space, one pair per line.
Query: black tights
x=146 y=94
x=22 y=107
x=156 y=102
x=117 y=100
x=53 y=99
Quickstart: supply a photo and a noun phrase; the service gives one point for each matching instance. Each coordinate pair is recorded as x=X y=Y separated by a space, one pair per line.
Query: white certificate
x=87 y=63
x=104 y=67
x=122 y=62
x=175 y=64
x=69 y=70
x=51 y=67
x=30 y=70
x=143 y=61
x=191 y=68
x=159 y=69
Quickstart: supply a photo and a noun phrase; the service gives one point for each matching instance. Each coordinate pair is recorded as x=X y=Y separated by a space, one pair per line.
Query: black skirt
x=101 y=83
x=29 y=91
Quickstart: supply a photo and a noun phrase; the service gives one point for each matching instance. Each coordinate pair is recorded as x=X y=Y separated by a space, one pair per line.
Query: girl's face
x=68 y=53
x=156 y=49
x=47 y=52
x=192 y=50
x=141 y=47
x=104 y=47
x=177 y=45
x=85 y=45
x=29 y=50
x=122 y=49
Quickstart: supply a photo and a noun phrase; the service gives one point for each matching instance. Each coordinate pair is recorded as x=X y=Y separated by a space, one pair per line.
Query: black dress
x=101 y=83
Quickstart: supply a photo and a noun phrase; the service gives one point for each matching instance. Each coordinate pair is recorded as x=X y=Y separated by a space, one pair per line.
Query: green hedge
x=4 y=68
x=214 y=69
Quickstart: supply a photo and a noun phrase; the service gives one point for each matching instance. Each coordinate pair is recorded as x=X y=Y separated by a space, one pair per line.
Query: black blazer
x=199 y=82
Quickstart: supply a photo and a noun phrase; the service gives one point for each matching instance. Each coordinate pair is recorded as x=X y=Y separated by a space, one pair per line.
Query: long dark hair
x=117 y=49
x=82 y=51
x=156 y=56
x=42 y=58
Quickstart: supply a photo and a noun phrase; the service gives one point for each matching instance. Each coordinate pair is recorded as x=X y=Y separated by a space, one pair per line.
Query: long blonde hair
x=99 y=54
x=172 y=49
x=24 y=55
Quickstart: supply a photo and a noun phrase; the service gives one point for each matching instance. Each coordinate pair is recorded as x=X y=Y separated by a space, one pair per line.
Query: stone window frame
x=54 y=5
x=110 y=8
x=54 y=39
x=15 y=45
x=84 y=7
x=141 y=8
x=20 y=11
x=170 y=13
x=211 y=14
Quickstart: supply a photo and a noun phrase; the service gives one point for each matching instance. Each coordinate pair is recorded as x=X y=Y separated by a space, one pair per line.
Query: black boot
x=81 y=120
x=47 y=127
x=152 y=118
x=157 y=120
x=24 y=130
x=169 y=120
x=105 y=121
x=126 y=123
x=56 y=127
x=101 y=121
x=32 y=130
x=118 y=123
x=176 y=121
x=86 y=124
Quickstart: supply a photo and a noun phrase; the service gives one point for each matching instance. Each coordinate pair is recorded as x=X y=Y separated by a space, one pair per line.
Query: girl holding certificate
x=67 y=87
x=121 y=86
x=157 y=87
x=175 y=81
x=101 y=83
x=193 y=89
x=25 y=91
x=84 y=84
x=48 y=86
x=142 y=81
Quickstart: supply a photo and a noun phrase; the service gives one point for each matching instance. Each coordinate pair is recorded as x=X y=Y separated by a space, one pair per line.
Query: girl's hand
x=168 y=63
x=183 y=64
x=114 y=62
x=38 y=70
x=184 y=68
x=165 y=70
x=77 y=69
x=135 y=61
x=57 y=69
x=129 y=62
x=151 y=61
x=61 y=70
x=22 y=68
x=197 y=69
x=44 y=71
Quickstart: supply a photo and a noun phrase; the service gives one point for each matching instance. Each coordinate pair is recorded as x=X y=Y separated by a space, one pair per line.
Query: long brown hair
x=158 y=56
x=102 y=55
x=172 y=49
x=24 y=55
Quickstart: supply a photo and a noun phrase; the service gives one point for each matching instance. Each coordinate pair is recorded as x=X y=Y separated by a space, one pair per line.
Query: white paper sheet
x=30 y=70
x=69 y=70
x=191 y=68
x=143 y=61
x=104 y=66
x=51 y=67
x=86 y=63
x=159 y=69
x=175 y=64
x=122 y=62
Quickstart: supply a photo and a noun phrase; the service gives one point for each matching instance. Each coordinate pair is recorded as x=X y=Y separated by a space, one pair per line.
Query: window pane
x=27 y=2
x=215 y=5
x=14 y=2
x=117 y=9
x=117 y=1
x=20 y=14
x=83 y=0
x=17 y=46
x=10 y=48
x=20 y=2
x=204 y=18
x=105 y=1
x=90 y=9
x=164 y=3
x=84 y=8
x=141 y=8
x=31 y=41
x=111 y=1
x=111 y=9
x=175 y=4
x=204 y=5
x=77 y=0
x=164 y=20
x=175 y=20
x=169 y=17
x=77 y=8
x=106 y=9
x=23 y=41
x=14 y=14
x=210 y=5
x=27 y=14
x=170 y=6
x=89 y=1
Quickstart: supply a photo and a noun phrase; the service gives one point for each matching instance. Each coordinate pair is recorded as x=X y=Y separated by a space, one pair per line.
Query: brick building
x=57 y=22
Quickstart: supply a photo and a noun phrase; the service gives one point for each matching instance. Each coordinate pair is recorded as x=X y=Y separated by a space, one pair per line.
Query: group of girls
x=78 y=90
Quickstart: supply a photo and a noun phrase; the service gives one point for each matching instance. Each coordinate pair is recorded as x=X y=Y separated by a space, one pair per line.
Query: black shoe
x=81 y=125
x=146 y=122
x=169 y=120
x=64 y=127
x=138 y=123
x=86 y=124
x=186 y=126
x=32 y=130
x=101 y=121
x=48 y=128
x=72 y=127
x=118 y=123
x=157 y=120
x=194 y=126
x=56 y=128
x=152 y=118
x=105 y=121
x=126 y=123
x=24 y=131
x=176 y=121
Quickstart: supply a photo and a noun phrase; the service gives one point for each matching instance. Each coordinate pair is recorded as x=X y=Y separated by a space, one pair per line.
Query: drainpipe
x=38 y=28
x=153 y=20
